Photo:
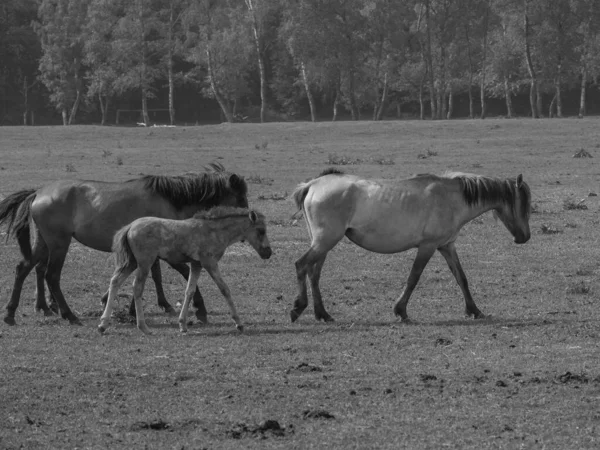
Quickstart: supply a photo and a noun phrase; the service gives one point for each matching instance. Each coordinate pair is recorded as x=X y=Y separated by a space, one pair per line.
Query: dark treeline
x=188 y=61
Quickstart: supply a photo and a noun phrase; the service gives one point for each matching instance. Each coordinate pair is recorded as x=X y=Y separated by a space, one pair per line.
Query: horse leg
x=424 y=254
x=198 y=302
x=40 y=291
x=314 y=275
x=189 y=293
x=215 y=274
x=451 y=257
x=138 y=289
x=315 y=254
x=56 y=261
x=23 y=269
x=116 y=281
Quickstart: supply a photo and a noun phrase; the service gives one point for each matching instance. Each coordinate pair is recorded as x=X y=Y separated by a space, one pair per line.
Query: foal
x=200 y=241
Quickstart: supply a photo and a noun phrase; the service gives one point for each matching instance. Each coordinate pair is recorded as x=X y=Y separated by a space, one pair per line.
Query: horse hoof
x=294 y=315
x=171 y=312
x=48 y=313
x=240 y=328
x=202 y=318
x=101 y=329
x=9 y=321
x=76 y=321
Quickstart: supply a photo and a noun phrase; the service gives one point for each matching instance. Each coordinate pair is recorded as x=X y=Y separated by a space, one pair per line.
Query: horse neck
x=477 y=209
x=231 y=228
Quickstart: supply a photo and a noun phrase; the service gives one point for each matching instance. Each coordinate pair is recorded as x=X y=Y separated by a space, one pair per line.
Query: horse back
x=93 y=211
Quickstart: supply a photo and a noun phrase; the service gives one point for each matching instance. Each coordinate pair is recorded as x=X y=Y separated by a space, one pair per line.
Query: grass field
x=528 y=377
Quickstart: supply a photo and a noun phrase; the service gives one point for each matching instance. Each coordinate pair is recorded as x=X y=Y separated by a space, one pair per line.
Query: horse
x=92 y=212
x=391 y=216
x=200 y=241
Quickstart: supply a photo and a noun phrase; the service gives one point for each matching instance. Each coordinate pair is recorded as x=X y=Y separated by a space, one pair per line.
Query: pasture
x=528 y=377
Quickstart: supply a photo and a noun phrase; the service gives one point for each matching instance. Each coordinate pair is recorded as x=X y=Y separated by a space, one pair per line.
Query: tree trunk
x=261 y=63
x=470 y=83
x=582 y=92
x=450 y=104
x=75 y=107
x=421 y=103
x=551 y=107
x=429 y=61
x=484 y=62
x=170 y=77
x=25 y=100
x=145 y=115
x=213 y=85
x=64 y=116
x=557 y=82
x=336 y=100
x=383 y=97
x=533 y=89
x=507 y=97
x=309 y=96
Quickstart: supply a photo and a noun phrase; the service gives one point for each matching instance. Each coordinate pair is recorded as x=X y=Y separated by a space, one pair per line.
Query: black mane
x=330 y=171
x=224 y=212
x=478 y=189
x=206 y=189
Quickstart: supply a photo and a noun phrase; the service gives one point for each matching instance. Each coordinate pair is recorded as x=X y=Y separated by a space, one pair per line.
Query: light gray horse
x=390 y=216
x=200 y=241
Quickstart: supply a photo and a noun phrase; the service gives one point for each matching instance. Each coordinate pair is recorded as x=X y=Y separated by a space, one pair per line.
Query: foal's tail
x=15 y=213
x=124 y=257
x=299 y=195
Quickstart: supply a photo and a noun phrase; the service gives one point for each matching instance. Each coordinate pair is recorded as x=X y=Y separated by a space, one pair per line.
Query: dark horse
x=92 y=212
x=392 y=216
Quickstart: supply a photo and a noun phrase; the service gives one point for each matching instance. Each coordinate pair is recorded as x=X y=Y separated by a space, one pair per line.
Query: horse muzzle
x=522 y=238
x=265 y=252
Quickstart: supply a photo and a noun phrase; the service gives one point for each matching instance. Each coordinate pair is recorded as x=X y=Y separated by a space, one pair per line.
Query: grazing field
x=528 y=377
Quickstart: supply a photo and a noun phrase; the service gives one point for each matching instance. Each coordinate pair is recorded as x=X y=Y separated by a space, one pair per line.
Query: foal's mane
x=225 y=212
x=478 y=189
x=207 y=188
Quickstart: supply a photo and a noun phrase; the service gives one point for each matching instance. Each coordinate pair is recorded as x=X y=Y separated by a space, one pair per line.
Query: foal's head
x=256 y=235
x=516 y=209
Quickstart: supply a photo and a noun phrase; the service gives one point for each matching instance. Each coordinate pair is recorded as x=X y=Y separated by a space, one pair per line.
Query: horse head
x=256 y=235
x=515 y=211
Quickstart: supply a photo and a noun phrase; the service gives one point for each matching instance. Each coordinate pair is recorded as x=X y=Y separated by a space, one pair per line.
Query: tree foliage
x=298 y=58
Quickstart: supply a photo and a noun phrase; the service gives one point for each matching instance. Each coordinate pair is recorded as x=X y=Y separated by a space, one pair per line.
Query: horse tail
x=15 y=211
x=299 y=195
x=124 y=257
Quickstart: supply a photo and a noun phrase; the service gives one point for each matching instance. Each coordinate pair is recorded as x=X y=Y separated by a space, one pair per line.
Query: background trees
x=266 y=60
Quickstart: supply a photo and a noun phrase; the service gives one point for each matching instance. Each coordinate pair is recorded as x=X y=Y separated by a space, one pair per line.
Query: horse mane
x=207 y=188
x=225 y=212
x=478 y=189
x=330 y=171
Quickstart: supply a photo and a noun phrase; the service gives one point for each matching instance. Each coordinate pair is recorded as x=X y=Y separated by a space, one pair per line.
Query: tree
x=219 y=46
x=60 y=28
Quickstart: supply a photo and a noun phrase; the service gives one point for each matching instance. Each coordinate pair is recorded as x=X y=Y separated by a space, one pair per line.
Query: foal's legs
x=213 y=270
x=192 y=281
x=160 y=293
x=116 y=281
x=449 y=253
x=198 y=302
x=138 y=289
x=424 y=254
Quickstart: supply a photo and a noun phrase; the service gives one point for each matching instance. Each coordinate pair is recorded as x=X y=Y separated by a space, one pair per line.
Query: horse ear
x=236 y=182
x=253 y=217
x=519 y=180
